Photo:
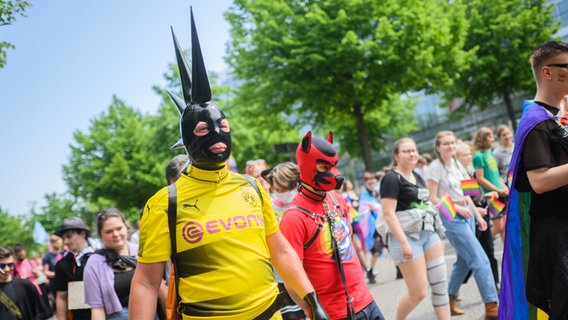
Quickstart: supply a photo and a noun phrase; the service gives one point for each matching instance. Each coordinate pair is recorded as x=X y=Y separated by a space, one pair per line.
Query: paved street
x=387 y=291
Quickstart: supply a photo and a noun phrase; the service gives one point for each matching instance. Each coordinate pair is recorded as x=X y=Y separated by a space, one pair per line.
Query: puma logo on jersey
x=186 y=205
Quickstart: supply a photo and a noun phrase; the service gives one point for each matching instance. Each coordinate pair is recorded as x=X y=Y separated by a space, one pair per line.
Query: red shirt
x=321 y=268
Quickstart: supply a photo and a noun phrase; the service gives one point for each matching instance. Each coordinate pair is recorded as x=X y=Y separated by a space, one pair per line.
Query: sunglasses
x=9 y=265
x=560 y=65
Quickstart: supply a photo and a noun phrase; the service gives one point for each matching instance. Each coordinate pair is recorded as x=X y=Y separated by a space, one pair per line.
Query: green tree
x=254 y=135
x=343 y=64
x=59 y=207
x=503 y=34
x=111 y=164
x=9 y=10
x=15 y=229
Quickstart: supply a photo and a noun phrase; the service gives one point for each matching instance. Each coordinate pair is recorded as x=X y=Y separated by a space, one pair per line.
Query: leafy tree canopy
x=9 y=10
x=59 y=207
x=112 y=164
x=503 y=34
x=343 y=64
x=16 y=229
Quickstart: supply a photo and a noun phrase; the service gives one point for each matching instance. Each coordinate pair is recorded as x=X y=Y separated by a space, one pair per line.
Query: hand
x=375 y=207
x=406 y=251
x=317 y=310
x=464 y=211
x=491 y=194
x=503 y=192
x=482 y=211
x=482 y=225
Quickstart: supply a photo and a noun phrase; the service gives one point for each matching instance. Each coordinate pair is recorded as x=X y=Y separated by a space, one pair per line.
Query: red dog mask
x=317 y=160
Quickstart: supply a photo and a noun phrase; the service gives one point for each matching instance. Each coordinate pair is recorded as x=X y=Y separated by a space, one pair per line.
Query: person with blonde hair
x=445 y=177
x=487 y=174
x=284 y=179
x=504 y=150
x=464 y=156
x=418 y=253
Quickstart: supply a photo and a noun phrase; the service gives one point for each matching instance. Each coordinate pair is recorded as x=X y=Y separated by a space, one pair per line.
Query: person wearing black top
x=419 y=255
x=75 y=233
x=539 y=201
x=19 y=298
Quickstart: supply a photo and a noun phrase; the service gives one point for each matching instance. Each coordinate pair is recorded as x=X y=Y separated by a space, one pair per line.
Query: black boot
x=398 y=273
x=371 y=276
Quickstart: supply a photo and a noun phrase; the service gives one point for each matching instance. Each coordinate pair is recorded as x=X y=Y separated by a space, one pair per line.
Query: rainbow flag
x=509 y=179
x=446 y=206
x=495 y=206
x=470 y=187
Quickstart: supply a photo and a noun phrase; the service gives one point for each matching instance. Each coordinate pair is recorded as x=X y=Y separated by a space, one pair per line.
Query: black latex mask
x=198 y=146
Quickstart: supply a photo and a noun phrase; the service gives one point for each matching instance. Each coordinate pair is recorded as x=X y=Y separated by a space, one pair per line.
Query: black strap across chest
x=319 y=220
x=316 y=220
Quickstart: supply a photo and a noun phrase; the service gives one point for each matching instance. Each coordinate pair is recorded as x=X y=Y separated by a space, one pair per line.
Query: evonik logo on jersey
x=194 y=231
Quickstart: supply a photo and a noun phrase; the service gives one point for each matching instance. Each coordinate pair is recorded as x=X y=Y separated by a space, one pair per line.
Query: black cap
x=72 y=223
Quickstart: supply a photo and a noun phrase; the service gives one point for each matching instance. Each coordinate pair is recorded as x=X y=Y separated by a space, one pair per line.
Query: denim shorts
x=426 y=240
x=121 y=315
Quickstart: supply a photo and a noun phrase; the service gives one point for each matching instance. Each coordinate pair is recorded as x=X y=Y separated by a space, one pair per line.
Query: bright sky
x=71 y=57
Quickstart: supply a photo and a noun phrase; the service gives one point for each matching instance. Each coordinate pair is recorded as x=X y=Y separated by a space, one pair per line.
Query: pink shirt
x=24 y=270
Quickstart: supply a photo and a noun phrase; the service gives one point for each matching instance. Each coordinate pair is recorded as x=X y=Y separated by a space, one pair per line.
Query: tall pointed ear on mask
x=178 y=102
x=330 y=137
x=307 y=142
x=184 y=72
x=200 y=91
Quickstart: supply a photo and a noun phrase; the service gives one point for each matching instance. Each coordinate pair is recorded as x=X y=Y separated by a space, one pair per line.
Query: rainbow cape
x=513 y=304
x=470 y=187
x=446 y=206
x=509 y=179
x=495 y=206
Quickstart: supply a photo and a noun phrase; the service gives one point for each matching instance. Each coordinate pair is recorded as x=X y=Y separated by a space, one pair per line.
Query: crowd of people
x=88 y=281
x=299 y=240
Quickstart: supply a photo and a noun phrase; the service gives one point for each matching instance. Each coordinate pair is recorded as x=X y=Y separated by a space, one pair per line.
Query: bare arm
x=48 y=274
x=98 y=313
x=482 y=224
x=488 y=185
x=548 y=179
x=297 y=299
x=433 y=190
x=144 y=290
x=163 y=295
x=61 y=303
x=289 y=267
